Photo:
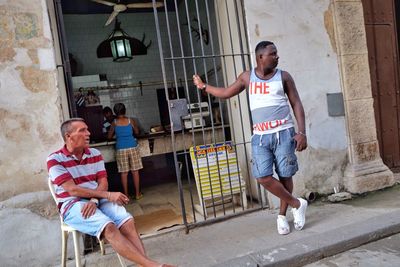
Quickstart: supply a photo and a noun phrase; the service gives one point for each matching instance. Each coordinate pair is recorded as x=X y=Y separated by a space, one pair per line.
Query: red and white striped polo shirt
x=63 y=166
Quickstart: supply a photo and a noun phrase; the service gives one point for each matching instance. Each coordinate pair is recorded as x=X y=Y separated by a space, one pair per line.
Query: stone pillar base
x=366 y=177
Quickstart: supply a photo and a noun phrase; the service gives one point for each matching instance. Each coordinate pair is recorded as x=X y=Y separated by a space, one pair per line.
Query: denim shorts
x=107 y=212
x=274 y=149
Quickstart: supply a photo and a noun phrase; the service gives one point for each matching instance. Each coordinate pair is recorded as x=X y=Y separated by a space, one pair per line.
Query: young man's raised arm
x=241 y=83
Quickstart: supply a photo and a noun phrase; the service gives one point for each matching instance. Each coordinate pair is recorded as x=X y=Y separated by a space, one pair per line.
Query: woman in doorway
x=127 y=152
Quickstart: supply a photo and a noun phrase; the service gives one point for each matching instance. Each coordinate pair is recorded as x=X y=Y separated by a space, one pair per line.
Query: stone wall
x=30 y=106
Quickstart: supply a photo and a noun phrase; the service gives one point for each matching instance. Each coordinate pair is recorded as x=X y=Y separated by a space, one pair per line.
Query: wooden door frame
x=388 y=127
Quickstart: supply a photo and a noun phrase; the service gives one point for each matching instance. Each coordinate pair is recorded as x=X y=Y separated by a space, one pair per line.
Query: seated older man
x=81 y=186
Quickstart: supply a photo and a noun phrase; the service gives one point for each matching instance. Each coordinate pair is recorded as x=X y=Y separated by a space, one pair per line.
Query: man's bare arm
x=102 y=183
x=78 y=191
x=90 y=207
x=241 y=83
x=298 y=110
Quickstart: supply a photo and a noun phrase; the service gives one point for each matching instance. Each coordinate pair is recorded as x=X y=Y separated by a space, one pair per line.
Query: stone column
x=365 y=170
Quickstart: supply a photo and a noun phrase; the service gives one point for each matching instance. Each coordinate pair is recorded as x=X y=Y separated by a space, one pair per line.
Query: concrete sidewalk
x=252 y=239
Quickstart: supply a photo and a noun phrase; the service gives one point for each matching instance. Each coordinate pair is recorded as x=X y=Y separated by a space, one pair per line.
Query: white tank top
x=269 y=106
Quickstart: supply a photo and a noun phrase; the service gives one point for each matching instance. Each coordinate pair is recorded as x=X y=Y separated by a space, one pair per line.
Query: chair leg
x=64 y=240
x=76 y=236
x=121 y=260
x=102 y=249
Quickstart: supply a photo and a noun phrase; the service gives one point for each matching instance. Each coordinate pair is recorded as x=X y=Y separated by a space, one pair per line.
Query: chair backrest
x=53 y=194
x=52 y=191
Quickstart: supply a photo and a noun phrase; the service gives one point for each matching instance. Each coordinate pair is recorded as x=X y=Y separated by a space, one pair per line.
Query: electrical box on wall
x=335 y=104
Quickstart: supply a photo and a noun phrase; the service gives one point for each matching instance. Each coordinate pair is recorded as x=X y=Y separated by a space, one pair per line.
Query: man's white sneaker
x=282 y=225
x=299 y=214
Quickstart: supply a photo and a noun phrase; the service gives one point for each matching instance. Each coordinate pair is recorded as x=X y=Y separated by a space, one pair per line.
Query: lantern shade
x=121 y=46
x=120 y=49
x=119 y=43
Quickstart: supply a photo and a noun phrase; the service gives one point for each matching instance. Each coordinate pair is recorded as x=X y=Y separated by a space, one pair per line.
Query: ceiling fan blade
x=111 y=17
x=144 y=5
x=104 y=2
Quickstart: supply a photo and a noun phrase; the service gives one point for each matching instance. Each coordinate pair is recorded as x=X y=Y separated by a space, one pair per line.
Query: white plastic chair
x=65 y=230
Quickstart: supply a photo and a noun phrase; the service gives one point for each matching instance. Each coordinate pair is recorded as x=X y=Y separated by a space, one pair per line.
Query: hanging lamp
x=120 y=45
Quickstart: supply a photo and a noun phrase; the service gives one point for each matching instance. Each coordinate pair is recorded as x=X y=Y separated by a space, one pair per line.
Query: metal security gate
x=210 y=137
x=383 y=43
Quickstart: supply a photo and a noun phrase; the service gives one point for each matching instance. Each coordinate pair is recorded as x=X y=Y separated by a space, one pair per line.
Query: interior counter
x=161 y=143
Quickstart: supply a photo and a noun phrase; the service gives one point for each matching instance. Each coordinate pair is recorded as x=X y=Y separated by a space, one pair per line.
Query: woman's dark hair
x=119 y=109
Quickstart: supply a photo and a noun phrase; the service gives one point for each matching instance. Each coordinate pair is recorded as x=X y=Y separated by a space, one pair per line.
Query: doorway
x=381 y=23
x=193 y=146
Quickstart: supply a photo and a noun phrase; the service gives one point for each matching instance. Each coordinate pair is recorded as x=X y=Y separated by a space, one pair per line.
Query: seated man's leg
x=100 y=224
x=94 y=225
x=122 y=235
x=128 y=229
x=125 y=248
x=124 y=222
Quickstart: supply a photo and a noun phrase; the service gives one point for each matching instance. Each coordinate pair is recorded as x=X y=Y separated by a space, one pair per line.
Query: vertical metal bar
x=248 y=104
x=178 y=175
x=177 y=169
x=199 y=100
x=234 y=67
x=229 y=109
x=236 y=73
x=224 y=62
x=212 y=125
x=190 y=112
x=170 y=48
x=223 y=129
x=247 y=97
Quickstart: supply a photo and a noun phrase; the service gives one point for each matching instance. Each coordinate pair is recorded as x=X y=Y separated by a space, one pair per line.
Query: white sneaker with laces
x=282 y=225
x=299 y=214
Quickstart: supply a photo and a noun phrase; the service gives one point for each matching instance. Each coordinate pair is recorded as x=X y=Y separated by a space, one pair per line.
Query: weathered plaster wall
x=304 y=34
x=29 y=106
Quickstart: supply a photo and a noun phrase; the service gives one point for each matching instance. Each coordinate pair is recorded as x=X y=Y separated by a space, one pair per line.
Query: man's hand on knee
x=118 y=197
x=88 y=209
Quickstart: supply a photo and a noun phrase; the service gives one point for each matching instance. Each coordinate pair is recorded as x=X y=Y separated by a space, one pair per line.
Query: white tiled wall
x=137 y=105
x=88 y=81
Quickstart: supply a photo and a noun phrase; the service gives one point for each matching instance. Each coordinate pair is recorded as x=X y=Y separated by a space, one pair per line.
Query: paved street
x=251 y=240
x=382 y=253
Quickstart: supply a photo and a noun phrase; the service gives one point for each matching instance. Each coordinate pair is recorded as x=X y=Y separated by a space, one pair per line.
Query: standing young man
x=274 y=141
